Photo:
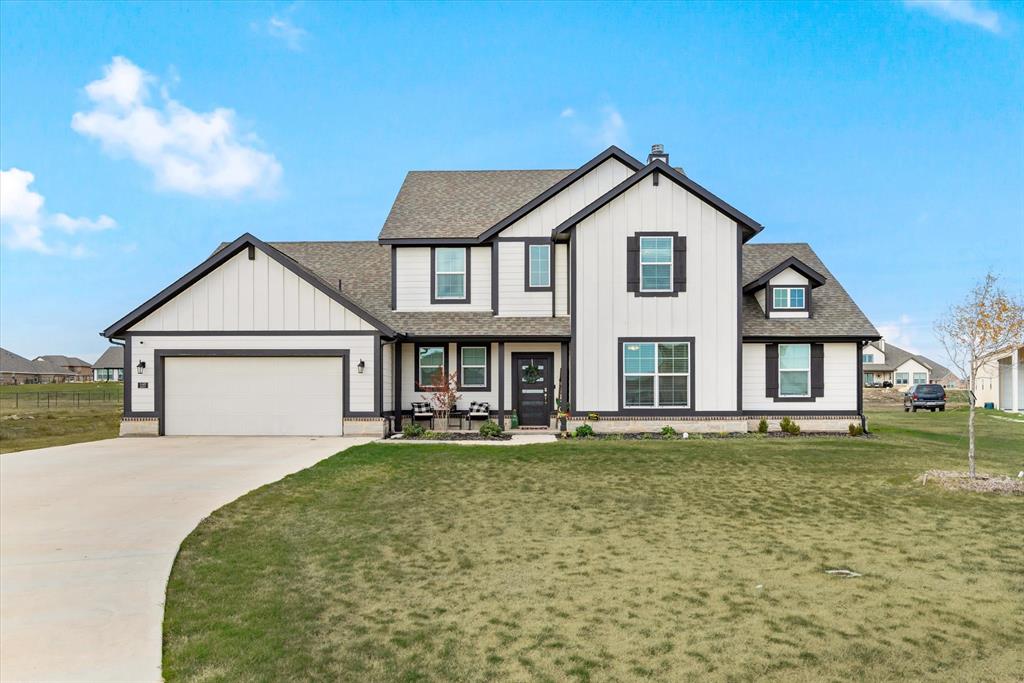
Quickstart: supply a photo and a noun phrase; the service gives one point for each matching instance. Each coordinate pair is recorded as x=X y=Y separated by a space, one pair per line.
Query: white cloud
x=24 y=222
x=281 y=27
x=607 y=128
x=962 y=11
x=191 y=152
x=899 y=332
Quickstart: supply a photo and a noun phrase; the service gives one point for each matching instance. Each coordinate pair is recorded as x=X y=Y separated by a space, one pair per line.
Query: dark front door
x=533 y=386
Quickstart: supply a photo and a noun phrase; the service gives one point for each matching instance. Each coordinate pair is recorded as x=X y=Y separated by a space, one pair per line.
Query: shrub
x=762 y=426
x=789 y=427
x=856 y=429
x=668 y=431
x=411 y=430
x=584 y=430
x=490 y=429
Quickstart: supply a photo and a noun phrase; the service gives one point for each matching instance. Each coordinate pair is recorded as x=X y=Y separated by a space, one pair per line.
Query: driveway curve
x=88 y=533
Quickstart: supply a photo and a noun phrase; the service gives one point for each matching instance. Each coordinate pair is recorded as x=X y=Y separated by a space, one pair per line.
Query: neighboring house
x=79 y=369
x=884 y=362
x=619 y=287
x=110 y=366
x=15 y=369
x=1000 y=381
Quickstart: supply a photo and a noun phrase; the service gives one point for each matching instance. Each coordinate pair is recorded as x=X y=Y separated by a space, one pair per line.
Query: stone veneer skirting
x=713 y=424
x=139 y=426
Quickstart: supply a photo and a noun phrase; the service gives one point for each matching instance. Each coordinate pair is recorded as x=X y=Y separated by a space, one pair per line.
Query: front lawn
x=686 y=560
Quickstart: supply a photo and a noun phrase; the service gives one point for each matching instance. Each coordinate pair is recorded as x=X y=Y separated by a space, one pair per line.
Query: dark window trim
x=639 y=410
x=416 y=363
x=538 y=241
x=487 y=366
x=815 y=278
x=815 y=379
x=433 y=277
x=769 y=300
x=678 y=267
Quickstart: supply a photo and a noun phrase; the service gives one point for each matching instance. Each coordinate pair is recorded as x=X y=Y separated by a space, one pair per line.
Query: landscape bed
x=599 y=560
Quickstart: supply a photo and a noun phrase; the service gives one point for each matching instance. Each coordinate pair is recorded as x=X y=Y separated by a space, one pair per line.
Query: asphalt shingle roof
x=113 y=357
x=834 y=313
x=66 y=361
x=12 y=362
x=895 y=357
x=461 y=204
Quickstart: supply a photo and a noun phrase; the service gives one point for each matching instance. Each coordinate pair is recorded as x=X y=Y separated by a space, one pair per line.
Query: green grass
x=688 y=560
x=41 y=415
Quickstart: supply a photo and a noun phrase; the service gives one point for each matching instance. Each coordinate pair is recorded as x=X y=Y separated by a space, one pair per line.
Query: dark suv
x=930 y=396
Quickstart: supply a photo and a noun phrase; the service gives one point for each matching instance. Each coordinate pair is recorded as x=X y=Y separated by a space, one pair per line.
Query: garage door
x=252 y=396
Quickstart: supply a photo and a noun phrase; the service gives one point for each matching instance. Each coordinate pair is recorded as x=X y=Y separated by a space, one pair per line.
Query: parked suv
x=930 y=396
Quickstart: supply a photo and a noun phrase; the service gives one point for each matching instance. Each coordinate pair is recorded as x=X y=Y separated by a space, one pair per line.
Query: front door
x=533 y=386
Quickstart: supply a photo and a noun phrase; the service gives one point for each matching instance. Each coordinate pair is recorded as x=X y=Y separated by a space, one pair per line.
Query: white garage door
x=253 y=396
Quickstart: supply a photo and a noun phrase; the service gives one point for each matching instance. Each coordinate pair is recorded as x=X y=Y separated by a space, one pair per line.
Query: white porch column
x=1015 y=380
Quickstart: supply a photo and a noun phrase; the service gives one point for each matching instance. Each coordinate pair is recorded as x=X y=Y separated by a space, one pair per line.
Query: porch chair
x=421 y=410
x=480 y=410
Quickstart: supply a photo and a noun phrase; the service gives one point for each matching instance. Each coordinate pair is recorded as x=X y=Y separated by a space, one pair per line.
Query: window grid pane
x=474 y=376
x=450 y=260
x=796 y=298
x=540 y=265
x=794 y=356
x=656 y=264
x=431 y=362
x=451 y=286
x=794 y=383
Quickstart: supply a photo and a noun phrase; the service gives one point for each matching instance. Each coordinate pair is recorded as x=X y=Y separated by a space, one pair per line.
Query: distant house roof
x=835 y=313
x=65 y=361
x=113 y=357
x=19 y=365
x=895 y=357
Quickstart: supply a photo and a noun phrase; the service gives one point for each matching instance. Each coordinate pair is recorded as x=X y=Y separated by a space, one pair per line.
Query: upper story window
x=538 y=268
x=868 y=358
x=451 y=275
x=788 y=298
x=794 y=369
x=656 y=264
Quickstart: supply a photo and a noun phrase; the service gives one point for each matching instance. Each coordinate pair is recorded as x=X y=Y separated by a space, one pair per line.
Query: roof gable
x=751 y=227
x=221 y=256
x=814 y=277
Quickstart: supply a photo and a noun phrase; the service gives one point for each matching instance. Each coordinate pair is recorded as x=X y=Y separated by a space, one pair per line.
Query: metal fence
x=48 y=400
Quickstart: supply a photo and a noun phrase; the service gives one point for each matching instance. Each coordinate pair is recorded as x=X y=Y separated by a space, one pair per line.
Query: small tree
x=445 y=396
x=987 y=321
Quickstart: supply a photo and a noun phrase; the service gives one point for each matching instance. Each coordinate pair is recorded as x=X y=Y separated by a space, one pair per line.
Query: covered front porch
x=521 y=379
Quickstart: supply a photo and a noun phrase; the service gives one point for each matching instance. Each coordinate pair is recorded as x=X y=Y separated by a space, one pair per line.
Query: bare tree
x=987 y=321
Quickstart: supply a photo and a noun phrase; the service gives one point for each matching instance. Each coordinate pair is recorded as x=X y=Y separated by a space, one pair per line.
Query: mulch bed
x=657 y=436
x=982 y=483
x=455 y=436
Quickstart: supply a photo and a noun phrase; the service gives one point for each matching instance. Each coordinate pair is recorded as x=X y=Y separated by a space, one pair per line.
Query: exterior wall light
x=140 y=367
x=361 y=366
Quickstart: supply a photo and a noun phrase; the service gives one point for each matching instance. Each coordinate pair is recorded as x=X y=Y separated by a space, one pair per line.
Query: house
x=1000 y=380
x=887 y=363
x=15 y=369
x=109 y=367
x=619 y=287
x=79 y=369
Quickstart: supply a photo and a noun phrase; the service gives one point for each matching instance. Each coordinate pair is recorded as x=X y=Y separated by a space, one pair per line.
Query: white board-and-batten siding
x=840 y=374
x=707 y=310
x=251 y=296
x=513 y=298
x=361 y=347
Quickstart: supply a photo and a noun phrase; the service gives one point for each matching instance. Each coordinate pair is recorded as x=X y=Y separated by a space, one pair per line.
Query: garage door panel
x=253 y=396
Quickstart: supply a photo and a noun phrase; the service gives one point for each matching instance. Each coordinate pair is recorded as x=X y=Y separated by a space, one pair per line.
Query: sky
x=136 y=137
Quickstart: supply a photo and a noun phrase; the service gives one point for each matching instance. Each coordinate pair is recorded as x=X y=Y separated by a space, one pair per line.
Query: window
x=869 y=378
x=656 y=374
x=869 y=358
x=656 y=264
x=788 y=298
x=450 y=273
x=473 y=367
x=920 y=378
x=429 y=365
x=794 y=370
x=538 y=266
x=902 y=378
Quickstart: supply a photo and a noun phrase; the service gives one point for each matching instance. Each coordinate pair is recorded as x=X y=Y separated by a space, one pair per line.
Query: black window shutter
x=771 y=370
x=632 y=263
x=817 y=370
x=679 y=264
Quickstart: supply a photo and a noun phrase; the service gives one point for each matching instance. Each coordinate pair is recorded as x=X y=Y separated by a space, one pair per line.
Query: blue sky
x=888 y=135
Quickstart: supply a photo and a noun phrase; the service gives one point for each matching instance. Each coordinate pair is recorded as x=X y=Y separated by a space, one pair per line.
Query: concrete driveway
x=88 y=534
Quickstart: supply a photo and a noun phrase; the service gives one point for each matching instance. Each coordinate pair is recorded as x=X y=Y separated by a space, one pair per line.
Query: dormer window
x=788 y=298
x=450 y=271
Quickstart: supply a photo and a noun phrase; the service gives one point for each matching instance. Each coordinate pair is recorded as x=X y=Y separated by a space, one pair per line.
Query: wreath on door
x=531 y=374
